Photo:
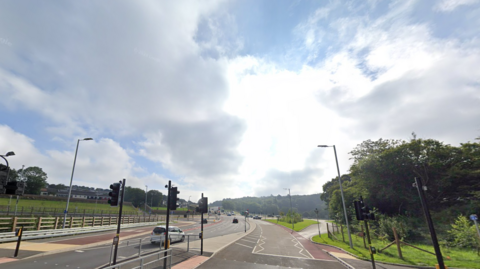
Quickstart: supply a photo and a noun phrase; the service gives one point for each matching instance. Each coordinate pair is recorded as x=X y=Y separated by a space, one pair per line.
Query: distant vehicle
x=229 y=214
x=270 y=216
x=257 y=217
x=205 y=221
x=235 y=220
x=174 y=233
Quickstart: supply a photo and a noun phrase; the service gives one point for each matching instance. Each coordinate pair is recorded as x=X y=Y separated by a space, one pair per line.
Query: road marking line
x=293 y=257
x=249 y=241
x=243 y=245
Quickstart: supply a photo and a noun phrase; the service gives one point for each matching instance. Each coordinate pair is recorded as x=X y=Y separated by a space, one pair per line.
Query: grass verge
x=298 y=226
x=459 y=258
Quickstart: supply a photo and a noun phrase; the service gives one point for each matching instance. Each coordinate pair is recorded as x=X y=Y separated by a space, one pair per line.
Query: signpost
x=475 y=218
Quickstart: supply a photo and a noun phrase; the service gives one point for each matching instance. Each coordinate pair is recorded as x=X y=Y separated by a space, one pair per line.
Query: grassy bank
x=459 y=258
x=49 y=206
x=298 y=226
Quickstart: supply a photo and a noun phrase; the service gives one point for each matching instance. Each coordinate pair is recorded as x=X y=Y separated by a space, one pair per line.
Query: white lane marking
x=249 y=241
x=244 y=245
x=294 y=240
x=293 y=257
x=259 y=239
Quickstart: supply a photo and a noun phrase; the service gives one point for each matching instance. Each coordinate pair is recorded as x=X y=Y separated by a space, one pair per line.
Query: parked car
x=205 y=221
x=257 y=217
x=235 y=220
x=229 y=214
x=174 y=233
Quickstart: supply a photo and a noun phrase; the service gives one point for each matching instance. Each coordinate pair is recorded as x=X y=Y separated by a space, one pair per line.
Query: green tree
x=463 y=233
x=35 y=179
x=135 y=195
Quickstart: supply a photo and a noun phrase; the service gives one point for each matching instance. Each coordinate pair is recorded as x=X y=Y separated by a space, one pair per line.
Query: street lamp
x=291 y=210
x=146 y=191
x=71 y=180
x=318 y=222
x=10 y=153
x=341 y=191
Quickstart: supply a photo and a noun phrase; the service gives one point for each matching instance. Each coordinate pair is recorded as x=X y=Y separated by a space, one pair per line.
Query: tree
x=134 y=195
x=35 y=179
x=154 y=198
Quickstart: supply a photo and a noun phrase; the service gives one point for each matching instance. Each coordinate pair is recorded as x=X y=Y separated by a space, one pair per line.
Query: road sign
x=473 y=217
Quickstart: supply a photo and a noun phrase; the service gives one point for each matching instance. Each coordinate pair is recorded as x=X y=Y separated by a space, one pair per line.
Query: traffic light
x=3 y=178
x=202 y=205
x=15 y=188
x=173 y=198
x=362 y=211
x=114 y=194
x=205 y=205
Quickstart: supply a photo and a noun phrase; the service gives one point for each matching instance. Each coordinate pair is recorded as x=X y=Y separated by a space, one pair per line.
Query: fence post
x=71 y=222
x=56 y=223
x=328 y=231
x=83 y=219
x=398 y=243
x=101 y=223
x=39 y=223
x=14 y=224
x=341 y=230
x=93 y=221
x=110 y=220
x=364 y=244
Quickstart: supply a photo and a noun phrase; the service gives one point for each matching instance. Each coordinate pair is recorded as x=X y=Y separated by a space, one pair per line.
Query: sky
x=230 y=98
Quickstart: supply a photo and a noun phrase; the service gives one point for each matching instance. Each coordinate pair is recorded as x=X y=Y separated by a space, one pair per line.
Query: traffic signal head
x=362 y=211
x=15 y=188
x=205 y=205
x=114 y=194
x=3 y=178
x=173 y=198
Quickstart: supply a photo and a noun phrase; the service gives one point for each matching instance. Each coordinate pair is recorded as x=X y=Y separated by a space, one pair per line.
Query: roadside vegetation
x=453 y=256
x=298 y=226
x=59 y=206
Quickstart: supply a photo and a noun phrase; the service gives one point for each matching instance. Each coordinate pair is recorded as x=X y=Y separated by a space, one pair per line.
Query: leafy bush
x=463 y=234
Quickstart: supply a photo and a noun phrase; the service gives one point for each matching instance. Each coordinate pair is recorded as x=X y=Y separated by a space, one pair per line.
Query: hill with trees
x=277 y=205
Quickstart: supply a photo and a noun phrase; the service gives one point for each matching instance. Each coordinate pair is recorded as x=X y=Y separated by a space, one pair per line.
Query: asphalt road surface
x=269 y=246
x=96 y=256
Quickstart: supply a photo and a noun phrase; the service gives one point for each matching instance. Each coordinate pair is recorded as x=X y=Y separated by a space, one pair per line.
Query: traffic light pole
x=116 y=240
x=369 y=243
x=201 y=239
x=166 y=225
x=423 y=200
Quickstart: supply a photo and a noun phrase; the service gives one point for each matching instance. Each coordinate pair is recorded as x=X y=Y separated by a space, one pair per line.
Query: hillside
x=304 y=204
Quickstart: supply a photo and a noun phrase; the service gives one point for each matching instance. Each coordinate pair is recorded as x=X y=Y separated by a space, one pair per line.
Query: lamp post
x=146 y=191
x=10 y=153
x=71 y=180
x=291 y=210
x=341 y=191
x=188 y=207
x=318 y=222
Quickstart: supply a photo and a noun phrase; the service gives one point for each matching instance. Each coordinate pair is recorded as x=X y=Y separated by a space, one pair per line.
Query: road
x=271 y=246
x=98 y=255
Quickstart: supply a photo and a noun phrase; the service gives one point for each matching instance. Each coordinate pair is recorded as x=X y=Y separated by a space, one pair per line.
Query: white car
x=174 y=233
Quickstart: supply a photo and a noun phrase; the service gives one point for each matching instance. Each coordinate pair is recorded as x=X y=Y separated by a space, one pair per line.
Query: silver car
x=174 y=233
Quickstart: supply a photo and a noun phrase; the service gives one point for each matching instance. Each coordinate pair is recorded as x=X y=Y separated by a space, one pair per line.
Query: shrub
x=463 y=234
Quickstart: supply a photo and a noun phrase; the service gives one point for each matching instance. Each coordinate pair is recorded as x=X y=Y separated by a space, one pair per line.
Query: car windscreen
x=158 y=230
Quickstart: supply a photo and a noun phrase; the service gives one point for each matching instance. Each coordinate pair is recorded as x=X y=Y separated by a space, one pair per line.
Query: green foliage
x=298 y=226
x=292 y=217
x=303 y=204
x=463 y=233
x=34 y=178
x=386 y=225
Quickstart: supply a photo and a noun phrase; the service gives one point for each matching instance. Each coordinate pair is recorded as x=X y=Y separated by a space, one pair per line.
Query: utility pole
x=201 y=243
x=116 y=240
x=421 y=192
x=167 y=241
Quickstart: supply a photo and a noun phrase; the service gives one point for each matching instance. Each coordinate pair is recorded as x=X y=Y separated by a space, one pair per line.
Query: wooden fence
x=9 y=224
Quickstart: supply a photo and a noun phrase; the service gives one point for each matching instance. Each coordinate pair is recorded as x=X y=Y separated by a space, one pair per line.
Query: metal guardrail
x=29 y=235
x=145 y=261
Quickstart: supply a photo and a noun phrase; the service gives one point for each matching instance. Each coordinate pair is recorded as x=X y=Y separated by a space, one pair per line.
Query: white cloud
x=450 y=5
